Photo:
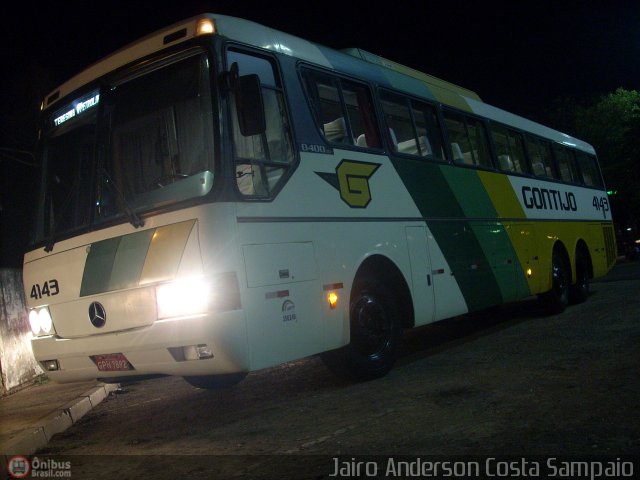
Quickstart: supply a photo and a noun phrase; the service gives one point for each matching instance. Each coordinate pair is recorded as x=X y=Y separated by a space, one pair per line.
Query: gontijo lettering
x=545 y=199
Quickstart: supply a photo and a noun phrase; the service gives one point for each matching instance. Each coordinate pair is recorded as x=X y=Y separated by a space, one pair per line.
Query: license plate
x=112 y=362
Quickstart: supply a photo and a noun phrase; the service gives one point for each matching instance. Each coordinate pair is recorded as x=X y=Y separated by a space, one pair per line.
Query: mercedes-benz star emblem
x=97 y=314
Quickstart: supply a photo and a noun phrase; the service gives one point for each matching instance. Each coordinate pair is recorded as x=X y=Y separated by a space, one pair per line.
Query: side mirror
x=250 y=105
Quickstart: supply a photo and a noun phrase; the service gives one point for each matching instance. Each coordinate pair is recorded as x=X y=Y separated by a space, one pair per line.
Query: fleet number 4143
x=601 y=204
x=47 y=289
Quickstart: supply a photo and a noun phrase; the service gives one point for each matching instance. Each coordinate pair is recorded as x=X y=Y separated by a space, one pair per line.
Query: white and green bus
x=220 y=197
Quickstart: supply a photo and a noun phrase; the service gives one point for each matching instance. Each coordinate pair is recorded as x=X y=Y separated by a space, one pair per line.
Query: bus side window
x=343 y=110
x=361 y=115
x=460 y=146
x=509 y=149
x=413 y=125
x=478 y=138
x=540 y=156
x=324 y=94
x=589 y=170
x=428 y=130
x=399 y=123
x=468 y=138
x=261 y=160
x=501 y=144
x=516 y=150
x=566 y=162
x=533 y=150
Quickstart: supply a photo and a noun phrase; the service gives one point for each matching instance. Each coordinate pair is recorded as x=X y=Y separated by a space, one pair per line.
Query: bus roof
x=432 y=81
x=353 y=61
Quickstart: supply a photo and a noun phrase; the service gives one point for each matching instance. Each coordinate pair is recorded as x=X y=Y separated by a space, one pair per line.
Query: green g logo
x=352 y=181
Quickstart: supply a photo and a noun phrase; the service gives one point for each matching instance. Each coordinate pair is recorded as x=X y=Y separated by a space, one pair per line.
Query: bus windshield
x=142 y=142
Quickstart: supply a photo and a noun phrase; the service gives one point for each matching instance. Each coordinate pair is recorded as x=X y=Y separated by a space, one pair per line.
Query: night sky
x=519 y=56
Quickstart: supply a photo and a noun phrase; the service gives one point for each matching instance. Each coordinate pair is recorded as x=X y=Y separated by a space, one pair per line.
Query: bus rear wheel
x=375 y=334
x=556 y=300
x=579 y=291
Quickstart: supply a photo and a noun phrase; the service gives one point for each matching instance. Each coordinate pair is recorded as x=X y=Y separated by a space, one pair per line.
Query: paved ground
x=33 y=415
x=508 y=381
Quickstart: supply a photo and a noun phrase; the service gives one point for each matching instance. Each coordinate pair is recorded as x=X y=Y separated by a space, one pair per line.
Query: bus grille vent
x=610 y=244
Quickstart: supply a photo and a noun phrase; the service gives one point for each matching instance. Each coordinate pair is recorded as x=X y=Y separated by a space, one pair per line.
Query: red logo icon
x=18 y=466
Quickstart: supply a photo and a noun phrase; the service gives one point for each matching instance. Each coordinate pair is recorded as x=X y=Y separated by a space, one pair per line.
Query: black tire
x=375 y=333
x=579 y=291
x=556 y=300
x=215 y=382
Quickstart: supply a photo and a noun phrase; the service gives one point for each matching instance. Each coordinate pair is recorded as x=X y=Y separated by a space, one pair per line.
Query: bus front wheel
x=375 y=334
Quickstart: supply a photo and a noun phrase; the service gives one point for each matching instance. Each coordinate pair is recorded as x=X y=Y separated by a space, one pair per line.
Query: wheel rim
x=372 y=326
x=583 y=277
x=560 y=283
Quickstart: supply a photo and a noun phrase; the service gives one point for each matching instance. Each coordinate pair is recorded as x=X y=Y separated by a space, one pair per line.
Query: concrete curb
x=38 y=435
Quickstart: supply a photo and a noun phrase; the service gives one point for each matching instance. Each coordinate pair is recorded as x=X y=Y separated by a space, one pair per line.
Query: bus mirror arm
x=229 y=79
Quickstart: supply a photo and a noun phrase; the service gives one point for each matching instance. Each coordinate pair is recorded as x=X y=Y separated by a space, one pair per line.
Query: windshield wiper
x=134 y=219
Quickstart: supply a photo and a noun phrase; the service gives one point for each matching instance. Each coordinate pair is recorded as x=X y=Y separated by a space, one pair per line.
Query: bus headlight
x=183 y=297
x=40 y=321
x=34 y=321
x=197 y=295
x=45 y=320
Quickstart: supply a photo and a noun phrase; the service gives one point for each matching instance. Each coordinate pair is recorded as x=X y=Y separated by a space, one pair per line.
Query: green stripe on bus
x=497 y=246
x=506 y=205
x=136 y=259
x=408 y=84
x=470 y=190
x=428 y=187
x=98 y=267
x=129 y=260
x=480 y=253
x=502 y=196
x=468 y=263
x=115 y=263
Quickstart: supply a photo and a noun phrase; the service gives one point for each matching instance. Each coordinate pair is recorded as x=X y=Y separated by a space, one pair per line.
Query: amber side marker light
x=205 y=26
x=333 y=300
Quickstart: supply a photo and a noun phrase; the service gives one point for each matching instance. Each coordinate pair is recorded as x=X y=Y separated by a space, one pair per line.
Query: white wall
x=17 y=364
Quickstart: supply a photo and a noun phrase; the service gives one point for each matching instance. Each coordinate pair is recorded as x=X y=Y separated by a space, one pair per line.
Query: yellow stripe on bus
x=506 y=204
x=165 y=252
x=502 y=195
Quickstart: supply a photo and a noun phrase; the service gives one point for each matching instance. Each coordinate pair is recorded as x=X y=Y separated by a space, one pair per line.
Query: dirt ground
x=504 y=382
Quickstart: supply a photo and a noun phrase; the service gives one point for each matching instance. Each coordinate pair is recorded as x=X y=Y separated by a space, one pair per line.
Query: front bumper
x=149 y=349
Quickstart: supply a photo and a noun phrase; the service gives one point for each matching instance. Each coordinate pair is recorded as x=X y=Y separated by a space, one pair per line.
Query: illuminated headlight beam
x=183 y=297
x=40 y=321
